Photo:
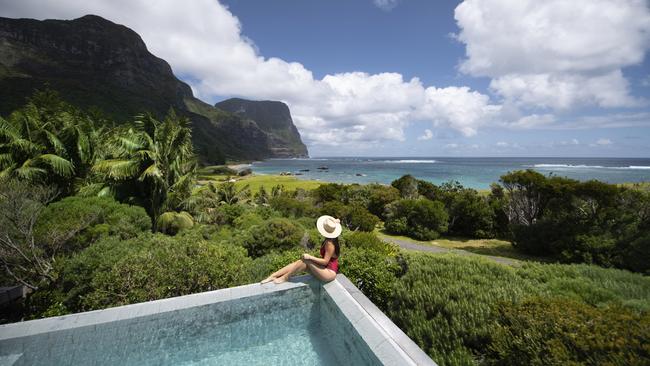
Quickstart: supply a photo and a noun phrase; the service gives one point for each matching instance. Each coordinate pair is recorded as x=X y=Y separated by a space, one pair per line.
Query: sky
x=407 y=77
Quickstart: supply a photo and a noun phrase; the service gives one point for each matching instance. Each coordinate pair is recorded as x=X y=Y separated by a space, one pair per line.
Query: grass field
x=643 y=186
x=493 y=247
x=255 y=181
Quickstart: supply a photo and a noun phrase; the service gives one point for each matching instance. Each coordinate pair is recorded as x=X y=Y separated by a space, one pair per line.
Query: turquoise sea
x=476 y=173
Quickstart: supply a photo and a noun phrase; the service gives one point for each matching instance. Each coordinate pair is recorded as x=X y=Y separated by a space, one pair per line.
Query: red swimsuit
x=333 y=263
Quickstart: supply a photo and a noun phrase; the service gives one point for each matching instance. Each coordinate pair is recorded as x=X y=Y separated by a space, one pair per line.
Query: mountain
x=94 y=63
x=272 y=117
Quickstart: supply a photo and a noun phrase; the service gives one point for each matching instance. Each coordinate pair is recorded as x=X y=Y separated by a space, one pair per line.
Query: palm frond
x=28 y=171
x=118 y=169
x=152 y=171
x=6 y=159
x=57 y=145
x=7 y=130
x=59 y=165
x=24 y=146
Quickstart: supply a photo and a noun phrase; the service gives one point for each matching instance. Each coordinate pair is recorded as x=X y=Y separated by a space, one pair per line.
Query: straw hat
x=328 y=226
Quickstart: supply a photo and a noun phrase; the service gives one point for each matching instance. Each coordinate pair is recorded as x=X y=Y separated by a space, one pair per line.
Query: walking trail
x=409 y=245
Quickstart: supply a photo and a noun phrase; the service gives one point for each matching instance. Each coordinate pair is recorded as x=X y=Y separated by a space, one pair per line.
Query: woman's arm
x=329 y=251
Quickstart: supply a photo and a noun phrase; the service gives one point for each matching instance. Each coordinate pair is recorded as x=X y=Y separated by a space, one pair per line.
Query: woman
x=325 y=268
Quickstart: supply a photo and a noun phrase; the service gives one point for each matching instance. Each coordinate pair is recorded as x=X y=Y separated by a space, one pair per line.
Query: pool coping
x=384 y=338
x=404 y=345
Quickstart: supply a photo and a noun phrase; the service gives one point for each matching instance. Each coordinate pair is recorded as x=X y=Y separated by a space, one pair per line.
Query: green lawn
x=642 y=186
x=256 y=181
x=493 y=247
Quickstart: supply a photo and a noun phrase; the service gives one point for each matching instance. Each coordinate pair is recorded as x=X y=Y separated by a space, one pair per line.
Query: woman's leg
x=296 y=267
x=281 y=271
x=323 y=274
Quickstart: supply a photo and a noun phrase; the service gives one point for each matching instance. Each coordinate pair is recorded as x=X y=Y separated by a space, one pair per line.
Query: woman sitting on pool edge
x=325 y=268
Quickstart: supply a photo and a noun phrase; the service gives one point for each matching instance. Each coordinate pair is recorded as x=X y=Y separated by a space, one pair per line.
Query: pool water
x=299 y=326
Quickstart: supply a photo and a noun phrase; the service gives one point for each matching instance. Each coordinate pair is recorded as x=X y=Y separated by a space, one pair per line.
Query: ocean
x=476 y=173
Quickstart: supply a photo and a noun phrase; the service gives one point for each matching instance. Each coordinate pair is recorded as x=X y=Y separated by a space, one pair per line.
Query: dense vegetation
x=129 y=222
x=463 y=311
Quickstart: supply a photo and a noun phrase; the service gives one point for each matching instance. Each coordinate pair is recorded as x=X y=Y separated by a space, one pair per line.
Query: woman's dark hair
x=337 y=247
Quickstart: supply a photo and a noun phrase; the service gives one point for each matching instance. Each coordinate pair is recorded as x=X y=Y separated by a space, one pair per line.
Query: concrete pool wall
x=351 y=323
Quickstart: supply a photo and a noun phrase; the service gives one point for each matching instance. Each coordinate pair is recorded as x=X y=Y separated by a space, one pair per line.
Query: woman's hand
x=306 y=256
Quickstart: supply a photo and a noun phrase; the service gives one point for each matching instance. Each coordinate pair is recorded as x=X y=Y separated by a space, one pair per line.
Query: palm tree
x=47 y=141
x=153 y=161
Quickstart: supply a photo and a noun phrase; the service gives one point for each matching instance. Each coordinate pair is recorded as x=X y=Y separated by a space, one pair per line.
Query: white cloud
x=203 y=42
x=555 y=53
x=563 y=91
x=385 y=5
x=452 y=146
x=565 y=143
x=603 y=142
x=458 y=107
x=502 y=144
x=428 y=135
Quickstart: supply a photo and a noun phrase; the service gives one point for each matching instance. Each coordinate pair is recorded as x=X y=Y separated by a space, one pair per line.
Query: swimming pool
x=296 y=323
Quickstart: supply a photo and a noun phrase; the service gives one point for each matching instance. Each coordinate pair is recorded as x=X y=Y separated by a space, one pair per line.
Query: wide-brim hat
x=329 y=227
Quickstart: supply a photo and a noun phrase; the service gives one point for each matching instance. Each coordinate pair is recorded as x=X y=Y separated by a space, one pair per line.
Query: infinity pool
x=290 y=324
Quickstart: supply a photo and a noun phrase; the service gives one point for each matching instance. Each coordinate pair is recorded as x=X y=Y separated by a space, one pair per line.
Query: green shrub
x=77 y=222
x=368 y=241
x=421 y=219
x=329 y=192
x=590 y=222
x=226 y=214
x=407 y=186
x=334 y=208
x=380 y=196
x=273 y=234
x=75 y=274
x=357 y=194
x=291 y=207
x=172 y=266
x=353 y=217
x=266 y=212
x=444 y=303
x=358 y=218
x=470 y=215
x=248 y=220
x=561 y=332
x=447 y=303
x=371 y=271
x=171 y=223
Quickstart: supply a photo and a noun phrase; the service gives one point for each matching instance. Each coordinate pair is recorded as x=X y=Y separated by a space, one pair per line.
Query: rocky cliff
x=94 y=63
x=272 y=117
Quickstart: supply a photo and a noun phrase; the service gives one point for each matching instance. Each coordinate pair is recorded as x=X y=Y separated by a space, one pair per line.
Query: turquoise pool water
x=299 y=326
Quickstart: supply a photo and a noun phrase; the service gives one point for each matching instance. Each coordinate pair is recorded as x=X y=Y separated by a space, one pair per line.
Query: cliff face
x=93 y=62
x=274 y=118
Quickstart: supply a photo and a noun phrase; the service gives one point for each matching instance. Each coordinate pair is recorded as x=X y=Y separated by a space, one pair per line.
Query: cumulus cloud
x=204 y=44
x=459 y=107
x=555 y=54
x=603 y=142
x=385 y=5
x=427 y=135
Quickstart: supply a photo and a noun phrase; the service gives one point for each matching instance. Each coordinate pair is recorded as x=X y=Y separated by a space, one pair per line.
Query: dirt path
x=409 y=245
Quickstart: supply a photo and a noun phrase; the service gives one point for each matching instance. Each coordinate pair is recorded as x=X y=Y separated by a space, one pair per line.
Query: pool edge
x=389 y=344
x=95 y=317
x=397 y=347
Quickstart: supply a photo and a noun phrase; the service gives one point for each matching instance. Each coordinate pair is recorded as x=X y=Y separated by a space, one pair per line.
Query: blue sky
x=415 y=39
x=412 y=78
